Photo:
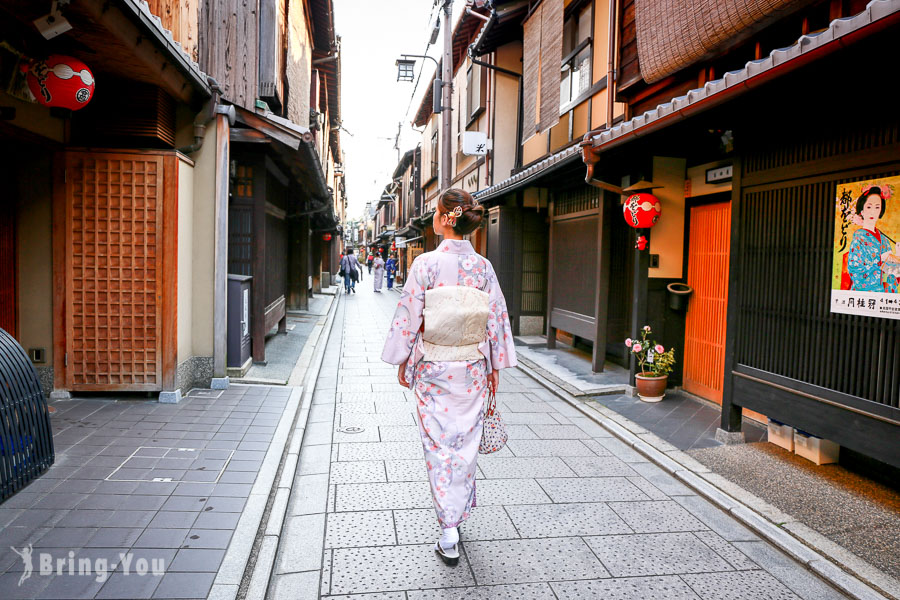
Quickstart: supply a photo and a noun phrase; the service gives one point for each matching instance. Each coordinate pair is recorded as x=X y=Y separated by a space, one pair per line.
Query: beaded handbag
x=493 y=435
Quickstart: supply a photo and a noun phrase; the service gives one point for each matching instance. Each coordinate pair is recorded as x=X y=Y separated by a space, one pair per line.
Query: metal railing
x=26 y=438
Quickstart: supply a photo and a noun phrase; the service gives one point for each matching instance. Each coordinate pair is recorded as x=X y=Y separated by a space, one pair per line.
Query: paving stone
x=648 y=488
x=591 y=489
x=381 y=451
x=784 y=569
x=714 y=518
x=303 y=552
x=129 y=586
x=510 y=491
x=295 y=586
x=656 y=517
x=559 y=432
x=184 y=585
x=742 y=585
x=528 y=418
x=620 y=450
x=591 y=427
x=400 y=433
x=561 y=520
x=632 y=588
x=656 y=554
x=72 y=586
x=525 y=591
x=391 y=568
x=417 y=526
x=161 y=538
x=173 y=520
x=309 y=495
x=191 y=560
x=598 y=466
x=114 y=537
x=549 y=448
x=369 y=434
x=520 y=432
x=367 y=528
x=523 y=561
x=662 y=480
x=523 y=467
x=383 y=496
x=513 y=403
x=406 y=470
x=376 y=420
x=369 y=471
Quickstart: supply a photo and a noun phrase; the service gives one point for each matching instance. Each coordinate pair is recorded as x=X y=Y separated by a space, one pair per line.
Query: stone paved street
x=566 y=510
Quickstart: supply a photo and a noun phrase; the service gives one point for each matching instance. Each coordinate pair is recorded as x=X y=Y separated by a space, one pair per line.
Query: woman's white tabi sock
x=449 y=538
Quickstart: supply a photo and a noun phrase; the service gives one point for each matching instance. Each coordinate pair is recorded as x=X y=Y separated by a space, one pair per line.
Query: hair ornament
x=453 y=215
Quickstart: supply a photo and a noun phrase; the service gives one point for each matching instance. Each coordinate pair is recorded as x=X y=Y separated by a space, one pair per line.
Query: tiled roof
x=677 y=107
x=538 y=169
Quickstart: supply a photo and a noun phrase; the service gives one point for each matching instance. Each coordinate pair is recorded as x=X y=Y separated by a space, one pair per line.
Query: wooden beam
x=258 y=244
x=249 y=136
x=220 y=260
x=731 y=412
x=59 y=245
x=169 y=272
x=639 y=294
x=258 y=123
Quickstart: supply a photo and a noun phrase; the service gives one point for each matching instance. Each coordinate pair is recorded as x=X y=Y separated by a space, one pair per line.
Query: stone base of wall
x=45 y=376
x=531 y=325
x=195 y=372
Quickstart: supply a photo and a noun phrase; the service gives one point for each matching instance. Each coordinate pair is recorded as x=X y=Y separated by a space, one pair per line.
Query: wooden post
x=304 y=263
x=604 y=220
x=639 y=294
x=258 y=244
x=551 y=331
x=220 y=272
x=732 y=413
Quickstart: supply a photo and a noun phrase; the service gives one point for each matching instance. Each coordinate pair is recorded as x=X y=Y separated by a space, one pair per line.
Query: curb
x=837 y=566
x=279 y=463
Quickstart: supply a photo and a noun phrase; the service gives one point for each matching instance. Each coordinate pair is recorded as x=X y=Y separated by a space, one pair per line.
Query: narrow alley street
x=564 y=511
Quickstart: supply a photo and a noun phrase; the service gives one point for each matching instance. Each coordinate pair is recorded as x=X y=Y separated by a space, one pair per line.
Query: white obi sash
x=456 y=319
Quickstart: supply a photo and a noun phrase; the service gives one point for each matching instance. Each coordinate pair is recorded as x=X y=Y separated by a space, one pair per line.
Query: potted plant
x=654 y=365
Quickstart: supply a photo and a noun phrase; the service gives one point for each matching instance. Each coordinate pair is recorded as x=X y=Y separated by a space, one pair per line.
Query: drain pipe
x=206 y=114
x=611 y=67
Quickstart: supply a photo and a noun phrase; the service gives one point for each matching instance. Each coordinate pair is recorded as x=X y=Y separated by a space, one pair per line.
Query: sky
x=374 y=33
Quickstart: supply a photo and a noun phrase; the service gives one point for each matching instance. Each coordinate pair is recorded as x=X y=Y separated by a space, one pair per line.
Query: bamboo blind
x=672 y=34
x=541 y=61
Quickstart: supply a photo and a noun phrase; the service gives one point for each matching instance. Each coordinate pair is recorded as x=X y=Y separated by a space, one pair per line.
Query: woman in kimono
x=378 y=263
x=870 y=247
x=391 y=268
x=450 y=336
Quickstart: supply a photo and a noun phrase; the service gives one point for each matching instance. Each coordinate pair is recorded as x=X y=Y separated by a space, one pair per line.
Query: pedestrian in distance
x=391 y=267
x=450 y=336
x=349 y=265
x=379 y=273
x=369 y=261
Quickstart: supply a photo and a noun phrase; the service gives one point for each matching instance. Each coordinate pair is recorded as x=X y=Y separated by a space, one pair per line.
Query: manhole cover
x=351 y=429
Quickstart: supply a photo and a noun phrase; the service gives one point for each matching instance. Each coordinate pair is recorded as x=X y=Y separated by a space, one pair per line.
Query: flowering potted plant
x=654 y=365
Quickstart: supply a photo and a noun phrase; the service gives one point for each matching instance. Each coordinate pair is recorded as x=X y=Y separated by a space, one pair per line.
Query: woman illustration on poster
x=870 y=251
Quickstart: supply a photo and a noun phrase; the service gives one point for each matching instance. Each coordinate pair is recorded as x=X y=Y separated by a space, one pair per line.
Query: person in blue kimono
x=391 y=268
x=871 y=248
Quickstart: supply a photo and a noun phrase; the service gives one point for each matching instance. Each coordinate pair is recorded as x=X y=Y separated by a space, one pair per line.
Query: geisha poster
x=866 y=267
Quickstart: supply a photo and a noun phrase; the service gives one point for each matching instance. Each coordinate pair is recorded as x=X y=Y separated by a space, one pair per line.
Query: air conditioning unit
x=475 y=143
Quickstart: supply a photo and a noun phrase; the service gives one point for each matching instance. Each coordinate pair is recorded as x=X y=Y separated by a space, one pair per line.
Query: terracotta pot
x=650 y=387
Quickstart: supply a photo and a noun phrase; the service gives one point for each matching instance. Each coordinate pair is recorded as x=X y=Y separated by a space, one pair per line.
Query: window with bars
x=575 y=72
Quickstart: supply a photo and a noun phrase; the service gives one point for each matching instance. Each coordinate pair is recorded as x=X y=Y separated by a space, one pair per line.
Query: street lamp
x=405 y=69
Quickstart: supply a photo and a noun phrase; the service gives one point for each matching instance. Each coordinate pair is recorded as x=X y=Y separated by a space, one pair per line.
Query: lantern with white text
x=642 y=210
x=60 y=81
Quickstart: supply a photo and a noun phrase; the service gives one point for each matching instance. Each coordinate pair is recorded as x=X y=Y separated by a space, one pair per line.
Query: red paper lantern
x=326 y=237
x=60 y=81
x=642 y=210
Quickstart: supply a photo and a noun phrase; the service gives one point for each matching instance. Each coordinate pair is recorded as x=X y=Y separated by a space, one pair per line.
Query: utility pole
x=446 y=97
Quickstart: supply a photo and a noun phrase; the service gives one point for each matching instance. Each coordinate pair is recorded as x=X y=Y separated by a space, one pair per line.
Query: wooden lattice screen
x=118 y=293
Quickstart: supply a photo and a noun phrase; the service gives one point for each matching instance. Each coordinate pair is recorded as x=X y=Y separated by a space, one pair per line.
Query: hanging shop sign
x=60 y=81
x=866 y=261
x=642 y=210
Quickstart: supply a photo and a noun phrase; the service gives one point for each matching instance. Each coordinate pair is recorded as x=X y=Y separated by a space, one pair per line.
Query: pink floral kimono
x=450 y=395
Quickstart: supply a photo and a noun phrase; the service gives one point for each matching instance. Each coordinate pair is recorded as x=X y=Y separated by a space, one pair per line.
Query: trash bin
x=238 y=342
x=26 y=438
x=679 y=295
